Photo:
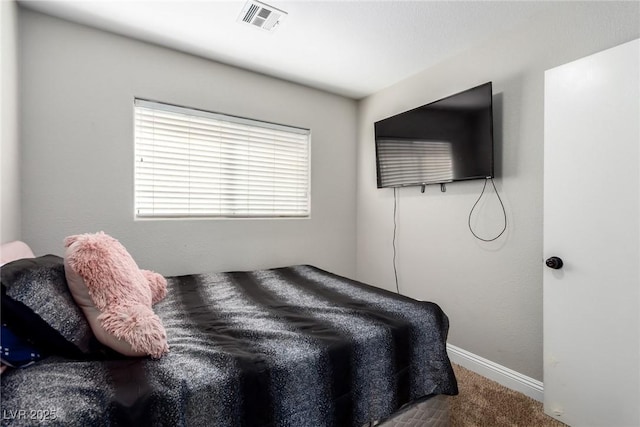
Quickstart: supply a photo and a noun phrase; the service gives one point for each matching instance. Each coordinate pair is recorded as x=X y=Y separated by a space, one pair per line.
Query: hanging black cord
x=504 y=212
x=395 y=226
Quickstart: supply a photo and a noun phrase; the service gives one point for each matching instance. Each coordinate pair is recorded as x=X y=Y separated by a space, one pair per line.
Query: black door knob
x=554 y=262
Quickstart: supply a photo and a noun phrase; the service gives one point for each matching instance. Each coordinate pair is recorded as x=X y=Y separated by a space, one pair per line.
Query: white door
x=592 y=223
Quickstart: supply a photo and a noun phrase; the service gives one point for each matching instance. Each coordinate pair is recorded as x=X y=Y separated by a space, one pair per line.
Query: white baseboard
x=498 y=373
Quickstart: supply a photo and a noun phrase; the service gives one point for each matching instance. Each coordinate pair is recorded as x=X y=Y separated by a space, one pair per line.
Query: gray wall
x=492 y=292
x=9 y=148
x=77 y=91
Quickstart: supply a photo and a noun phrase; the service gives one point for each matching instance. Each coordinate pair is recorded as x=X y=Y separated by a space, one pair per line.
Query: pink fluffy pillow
x=115 y=295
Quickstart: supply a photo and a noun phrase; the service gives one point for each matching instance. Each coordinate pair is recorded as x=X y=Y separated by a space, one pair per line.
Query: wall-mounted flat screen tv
x=444 y=141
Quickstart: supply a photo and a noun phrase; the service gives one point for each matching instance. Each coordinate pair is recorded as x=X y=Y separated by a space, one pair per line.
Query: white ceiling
x=353 y=48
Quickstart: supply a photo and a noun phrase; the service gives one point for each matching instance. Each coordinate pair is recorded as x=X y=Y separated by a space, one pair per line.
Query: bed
x=290 y=346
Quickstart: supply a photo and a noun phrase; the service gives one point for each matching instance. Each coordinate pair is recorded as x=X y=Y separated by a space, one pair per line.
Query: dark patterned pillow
x=37 y=303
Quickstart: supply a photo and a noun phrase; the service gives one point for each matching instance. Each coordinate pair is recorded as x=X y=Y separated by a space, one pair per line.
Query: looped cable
x=503 y=211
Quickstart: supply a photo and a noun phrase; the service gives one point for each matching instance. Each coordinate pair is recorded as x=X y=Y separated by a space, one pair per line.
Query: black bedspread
x=294 y=346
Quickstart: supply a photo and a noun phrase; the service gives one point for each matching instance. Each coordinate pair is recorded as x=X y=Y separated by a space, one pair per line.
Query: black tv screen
x=447 y=140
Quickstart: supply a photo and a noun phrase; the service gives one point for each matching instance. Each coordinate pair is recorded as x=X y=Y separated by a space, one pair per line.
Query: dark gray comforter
x=294 y=346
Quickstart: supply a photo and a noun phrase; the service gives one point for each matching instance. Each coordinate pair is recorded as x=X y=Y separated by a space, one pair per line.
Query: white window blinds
x=192 y=163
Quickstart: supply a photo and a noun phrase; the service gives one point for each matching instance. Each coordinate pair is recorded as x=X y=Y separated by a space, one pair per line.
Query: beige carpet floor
x=485 y=403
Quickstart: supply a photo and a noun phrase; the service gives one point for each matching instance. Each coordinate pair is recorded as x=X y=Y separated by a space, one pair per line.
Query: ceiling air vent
x=261 y=15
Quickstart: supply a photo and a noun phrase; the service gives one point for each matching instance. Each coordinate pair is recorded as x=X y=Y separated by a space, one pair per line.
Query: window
x=192 y=163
